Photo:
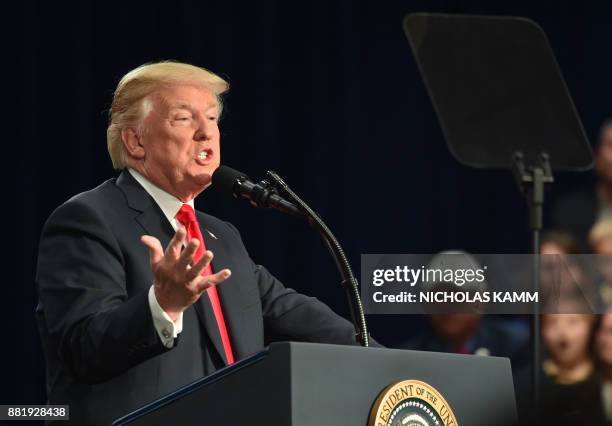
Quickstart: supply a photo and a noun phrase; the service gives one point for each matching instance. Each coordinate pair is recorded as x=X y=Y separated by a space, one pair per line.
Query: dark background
x=327 y=93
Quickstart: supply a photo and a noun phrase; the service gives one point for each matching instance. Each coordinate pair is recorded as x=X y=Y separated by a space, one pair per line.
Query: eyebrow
x=184 y=105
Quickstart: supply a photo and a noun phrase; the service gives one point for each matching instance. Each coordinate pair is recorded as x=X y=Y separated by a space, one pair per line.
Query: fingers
x=156 y=252
x=176 y=243
x=179 y=268
x=204 y=282
x=201 y=264
x=220 y=276
x=187 y=255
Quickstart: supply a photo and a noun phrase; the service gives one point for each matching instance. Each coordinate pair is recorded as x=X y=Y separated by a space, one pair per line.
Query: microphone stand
x=349 y=282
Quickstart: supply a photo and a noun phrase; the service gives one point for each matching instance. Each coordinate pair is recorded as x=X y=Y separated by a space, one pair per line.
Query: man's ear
x=131 y=141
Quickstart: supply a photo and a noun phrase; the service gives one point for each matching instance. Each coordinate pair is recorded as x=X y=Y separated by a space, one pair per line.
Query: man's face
x=181 y=140
x=603 y=157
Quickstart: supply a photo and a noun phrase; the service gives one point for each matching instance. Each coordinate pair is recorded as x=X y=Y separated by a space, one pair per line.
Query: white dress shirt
x=170 y=205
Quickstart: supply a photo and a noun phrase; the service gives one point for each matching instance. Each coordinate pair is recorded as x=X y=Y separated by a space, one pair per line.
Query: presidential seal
x=411 y=403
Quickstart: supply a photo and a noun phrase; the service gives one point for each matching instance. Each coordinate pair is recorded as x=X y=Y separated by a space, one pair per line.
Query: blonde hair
x=601 y=230
x=131 y=104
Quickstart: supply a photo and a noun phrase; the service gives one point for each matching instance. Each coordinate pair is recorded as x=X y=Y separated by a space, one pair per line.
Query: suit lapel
x=154 y=222
x=151 y=217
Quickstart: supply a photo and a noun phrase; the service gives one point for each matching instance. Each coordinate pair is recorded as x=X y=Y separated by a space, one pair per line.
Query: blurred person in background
x=603 y=350
x=471 y=334
x=559 y=242
x=555 y=265
x=600 y=240
x=566 y=274
x=462 y=328
x=570 y=387
x=600 y=236
x=465 y=330
x=576 y=211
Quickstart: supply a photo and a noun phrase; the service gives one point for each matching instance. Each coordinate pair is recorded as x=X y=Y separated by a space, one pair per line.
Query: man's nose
x=205 y=130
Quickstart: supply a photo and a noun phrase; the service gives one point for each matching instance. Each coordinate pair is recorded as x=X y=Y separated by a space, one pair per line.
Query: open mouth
x=204 y=156
x=564 y=345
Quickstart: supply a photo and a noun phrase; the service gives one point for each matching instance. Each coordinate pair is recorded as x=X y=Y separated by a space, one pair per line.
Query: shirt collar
x=168 y=203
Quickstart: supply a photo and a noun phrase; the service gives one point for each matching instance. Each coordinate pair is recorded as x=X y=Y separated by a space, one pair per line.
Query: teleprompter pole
x=532 y=181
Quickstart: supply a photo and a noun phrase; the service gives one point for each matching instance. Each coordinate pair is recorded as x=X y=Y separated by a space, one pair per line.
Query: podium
x=307 y=384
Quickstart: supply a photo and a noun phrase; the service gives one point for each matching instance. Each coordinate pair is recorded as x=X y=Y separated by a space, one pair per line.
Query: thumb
x=156 y=252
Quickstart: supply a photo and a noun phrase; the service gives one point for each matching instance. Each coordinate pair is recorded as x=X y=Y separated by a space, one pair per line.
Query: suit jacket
x=104 y=357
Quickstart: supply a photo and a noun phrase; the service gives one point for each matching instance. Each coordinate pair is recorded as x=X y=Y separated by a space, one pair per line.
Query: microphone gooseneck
x=349 y=282
x=265 y=194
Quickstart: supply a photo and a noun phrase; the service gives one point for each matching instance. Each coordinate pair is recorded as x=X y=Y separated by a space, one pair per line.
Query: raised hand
x=178 y=283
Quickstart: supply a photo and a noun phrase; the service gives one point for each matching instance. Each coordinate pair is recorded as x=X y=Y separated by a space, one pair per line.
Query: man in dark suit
x=124 y=321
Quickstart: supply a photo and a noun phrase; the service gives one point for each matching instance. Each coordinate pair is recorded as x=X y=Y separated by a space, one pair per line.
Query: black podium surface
x=306 y=384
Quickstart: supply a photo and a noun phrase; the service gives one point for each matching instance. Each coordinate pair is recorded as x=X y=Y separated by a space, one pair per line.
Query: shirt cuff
x=165 y=327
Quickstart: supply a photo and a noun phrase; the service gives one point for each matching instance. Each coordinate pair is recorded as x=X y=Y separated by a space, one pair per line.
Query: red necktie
x=186 y=216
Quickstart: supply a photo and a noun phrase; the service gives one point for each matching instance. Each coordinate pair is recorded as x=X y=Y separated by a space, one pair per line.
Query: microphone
x=260 y=194
x=264 y=194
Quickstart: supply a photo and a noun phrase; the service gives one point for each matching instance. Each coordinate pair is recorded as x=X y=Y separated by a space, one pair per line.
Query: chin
x=200 y=178
x=203 y=179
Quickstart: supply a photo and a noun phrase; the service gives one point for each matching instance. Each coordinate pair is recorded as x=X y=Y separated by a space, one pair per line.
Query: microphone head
x=225 y=178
